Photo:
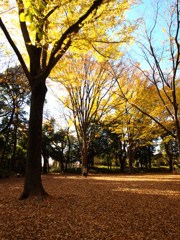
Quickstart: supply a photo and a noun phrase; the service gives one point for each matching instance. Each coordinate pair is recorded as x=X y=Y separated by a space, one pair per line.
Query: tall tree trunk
x=122 y=157
x=169 y=154
x=2 y=157
x=67 y=159
x=33 y=185
x=84 y=153
x=178 y=137
x=122 y=160
x=45 y=164
x=14 y=149
x=130 y=157
x=149 y=157
x=61 y=161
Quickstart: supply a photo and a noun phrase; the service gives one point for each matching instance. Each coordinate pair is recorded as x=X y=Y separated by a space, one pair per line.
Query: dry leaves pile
x=105 y=207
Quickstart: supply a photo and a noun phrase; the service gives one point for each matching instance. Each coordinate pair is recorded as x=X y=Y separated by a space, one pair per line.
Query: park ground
x=99 y=207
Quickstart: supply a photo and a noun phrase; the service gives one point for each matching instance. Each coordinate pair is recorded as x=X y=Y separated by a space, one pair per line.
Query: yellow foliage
x=48 y=20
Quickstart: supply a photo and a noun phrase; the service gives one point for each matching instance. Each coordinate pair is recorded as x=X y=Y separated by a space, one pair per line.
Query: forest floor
x=99 y=207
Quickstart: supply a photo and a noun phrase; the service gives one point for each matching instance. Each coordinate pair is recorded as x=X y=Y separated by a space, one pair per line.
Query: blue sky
x=141 y=10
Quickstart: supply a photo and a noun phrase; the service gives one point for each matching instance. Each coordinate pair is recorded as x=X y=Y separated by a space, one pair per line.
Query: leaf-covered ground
x=101 y=207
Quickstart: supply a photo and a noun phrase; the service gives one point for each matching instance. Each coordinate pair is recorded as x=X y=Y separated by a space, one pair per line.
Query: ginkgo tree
x=88 y=84
x=48 y=29
x=143 y=96
x=134 y=127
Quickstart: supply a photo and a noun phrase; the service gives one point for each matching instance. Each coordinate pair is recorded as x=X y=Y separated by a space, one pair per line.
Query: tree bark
x=130 y=157
x=33 y=185
x=169 y=154
x=2 y=157
x=122 y=160
x=14 y=149
x=46 y=164
x=84 y=153
x=149 y=157
x=178 y=137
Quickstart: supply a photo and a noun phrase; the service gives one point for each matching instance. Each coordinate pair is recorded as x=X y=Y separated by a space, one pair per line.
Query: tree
x=142 y=95
x=48 y=133
x=136 y=128
x=58 y=147
x=56 y=144
x=49 y=29
x=169 y=149
x=13 y=100
x=143 y=155
x=88 y=84
x=108 y=145
x=163 y=60
x=13 y=97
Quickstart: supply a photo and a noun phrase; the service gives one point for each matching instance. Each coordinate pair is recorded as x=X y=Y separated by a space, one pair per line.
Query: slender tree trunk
x=67 y=159
x=178 y=137
x=14 y=149
x=84 y=165
x=171 y=167
x=149 y=157
x=141 y=167
x=2 y=157
x=33 y=185
x=122 y=160
x=46 y=164
x=84 y=153
x=130 y=158
x=61 y=161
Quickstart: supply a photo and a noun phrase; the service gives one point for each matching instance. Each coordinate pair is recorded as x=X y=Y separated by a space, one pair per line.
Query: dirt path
x=101 y=207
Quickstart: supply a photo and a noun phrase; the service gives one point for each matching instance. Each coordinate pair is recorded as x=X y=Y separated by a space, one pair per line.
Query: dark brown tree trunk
x=2 y=157
x=149 y=157
x=33 y=185
x=14 y=148
x=84 y=153
x=122 y=160
x=130 y=157
x=171 y=168
x=46 y=164
x=178 y=137
x=67 y=159
x=61 y=161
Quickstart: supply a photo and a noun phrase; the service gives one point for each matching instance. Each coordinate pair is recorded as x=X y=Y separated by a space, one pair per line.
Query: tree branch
x=20 y=58
x=73 y=29
x=24 y=30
